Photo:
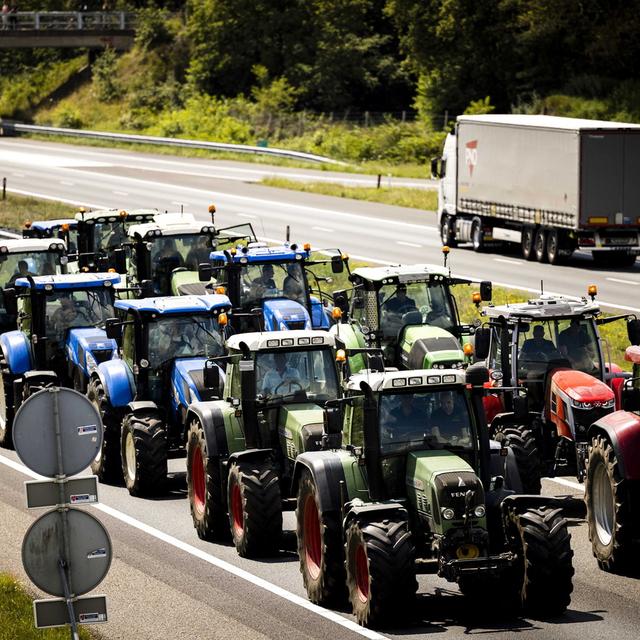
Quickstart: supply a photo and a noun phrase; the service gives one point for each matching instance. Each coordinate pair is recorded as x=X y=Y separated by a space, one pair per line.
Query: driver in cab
x=280 y=374
x=538 y=348
x=449 y=422
x=400 y=303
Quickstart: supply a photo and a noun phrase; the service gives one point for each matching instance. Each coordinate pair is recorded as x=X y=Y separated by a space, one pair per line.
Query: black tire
x=204 y=484
x=543 y=575
x=7 y=411
x=540 y=245
x=520 y=439
x=554 y=248
x=528 y=236
x=608 y=510
x=143 y=453
x=381 y=572
x=107 y=464
x=447 y=233
x=255 y=508
x=477 y=235
x=320 y=547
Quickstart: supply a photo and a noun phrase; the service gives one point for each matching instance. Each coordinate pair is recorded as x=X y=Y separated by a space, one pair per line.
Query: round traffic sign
x=34 y=432
x=89 y=552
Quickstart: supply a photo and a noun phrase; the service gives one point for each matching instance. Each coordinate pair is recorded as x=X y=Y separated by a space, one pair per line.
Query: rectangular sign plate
x=46 y=493
x=53 y=612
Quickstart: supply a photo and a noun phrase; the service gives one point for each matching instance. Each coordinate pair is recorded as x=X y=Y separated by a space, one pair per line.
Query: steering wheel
x=289 y=382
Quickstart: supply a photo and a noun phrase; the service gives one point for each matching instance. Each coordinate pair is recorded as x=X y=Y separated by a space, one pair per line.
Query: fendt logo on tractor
x=471 y=155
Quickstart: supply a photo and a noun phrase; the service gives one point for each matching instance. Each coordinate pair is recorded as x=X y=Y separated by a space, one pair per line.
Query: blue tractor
x=168 y=344
x=270 y=286
x=60 y=339
x=63 y=228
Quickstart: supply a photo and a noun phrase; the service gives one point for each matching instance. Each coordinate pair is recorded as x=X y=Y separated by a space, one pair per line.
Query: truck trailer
x=551 y=184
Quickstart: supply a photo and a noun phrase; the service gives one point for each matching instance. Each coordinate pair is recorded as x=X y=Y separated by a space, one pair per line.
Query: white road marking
x=121 y=193
x=409 y=244
x=567 y=483
x=67 y=183
x=181 y=204
x=18 y=175
x=56 y=199
x=633 y=282
x=246 y=215
x=47 y=160
x=216 y=562
x=326 y=229
x=506 y=261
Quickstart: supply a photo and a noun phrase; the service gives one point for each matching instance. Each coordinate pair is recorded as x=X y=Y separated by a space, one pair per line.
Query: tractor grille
x=444 y=343
x=296 y=324
x=102 y=355
x=584 y=418
x=452 y=487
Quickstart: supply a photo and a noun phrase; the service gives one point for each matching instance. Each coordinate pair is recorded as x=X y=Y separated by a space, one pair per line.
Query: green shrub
x=67 y=117
x=106 y=85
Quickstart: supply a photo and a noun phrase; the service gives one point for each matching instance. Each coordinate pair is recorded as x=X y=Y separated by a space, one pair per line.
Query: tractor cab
x=407 y=311
x=271 y=286
x=64 y=228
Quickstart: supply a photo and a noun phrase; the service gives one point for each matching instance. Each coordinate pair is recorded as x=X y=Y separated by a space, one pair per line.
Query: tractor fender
x=374 y=510
x=16 y=351
x=622 y=429
x=142 y=406
x=117 y=381
x=319 y=314
x=352 y=339
x=209 y=415
x=505 y=466
x=571 y=506
x=327 y=471
x=251 y=455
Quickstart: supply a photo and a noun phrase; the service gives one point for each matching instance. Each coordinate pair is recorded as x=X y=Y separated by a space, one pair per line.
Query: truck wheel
x=143 y=452
x=320 y=547
x=528 y=235
x=6 y=406
x=447 y=233
x=381 y=572
x=204 y=484
x=540 y=245
x=255 y=508
x=477 y=235
x=520 y=439
x=617 y=259
x=106 y=464
x=607 y=507
x=554 y=240
x=543 y=576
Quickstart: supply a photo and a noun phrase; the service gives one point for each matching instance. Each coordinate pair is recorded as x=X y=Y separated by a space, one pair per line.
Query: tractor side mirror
x=520 y=408
x=120 y=261
x=146 y=289
x=211 y=377
x=633 y=331
x=337 y=265
x=435 y=169
x=113 y=329
x=630 y=398
x=332 y=420
x=486 y=290
x=477 y=374
x=10 y=301
x=341 y=300
x=482 y=343
x=204 y=272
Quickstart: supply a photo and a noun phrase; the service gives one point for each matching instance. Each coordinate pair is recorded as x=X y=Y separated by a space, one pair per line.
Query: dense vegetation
x=315 y=74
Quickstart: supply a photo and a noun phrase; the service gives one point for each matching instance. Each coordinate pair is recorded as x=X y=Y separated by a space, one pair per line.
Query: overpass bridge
x=68 y=29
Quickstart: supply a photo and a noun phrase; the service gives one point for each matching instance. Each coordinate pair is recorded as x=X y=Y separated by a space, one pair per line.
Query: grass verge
x=15 y=210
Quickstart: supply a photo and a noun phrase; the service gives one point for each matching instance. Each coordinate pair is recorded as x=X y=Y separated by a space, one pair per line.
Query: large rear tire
x=608 y=509
x=6 y=406
x=255 y=508
x=107 y=464
x=204 y=484
x=320 y=547
x=520 y=439
x=381 y=572
x=143 y=452
x=540 y=245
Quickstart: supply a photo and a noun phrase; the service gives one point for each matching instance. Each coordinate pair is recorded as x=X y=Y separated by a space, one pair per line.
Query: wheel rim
x=362 y=574
x=476 y=236
x=444 y=232
x=237 y=513
x=602 y=500
x=552 y=246
x=197 y=480
x=312 y=542
x=130 y=455
x=539 y=244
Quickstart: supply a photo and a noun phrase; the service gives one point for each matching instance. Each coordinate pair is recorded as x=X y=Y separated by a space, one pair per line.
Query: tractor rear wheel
x=255 y=508
x=6 y=406
x=143 y=452
x=106 y=464
x=520 y=439
x=543 y=576
x=381 y=572
x=608 y=509
x=320 y=547
x=204 y=484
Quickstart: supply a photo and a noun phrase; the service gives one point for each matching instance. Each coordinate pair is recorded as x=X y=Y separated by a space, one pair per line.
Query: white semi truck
x=550 y=184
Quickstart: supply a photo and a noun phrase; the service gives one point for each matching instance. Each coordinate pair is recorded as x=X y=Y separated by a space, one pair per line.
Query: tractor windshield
x=261 y=281
x=35 y=263
x=183 y=337
x=76 y=308
x=415 y=303
x=297 y=375
x=108 y=236
x=427 y=419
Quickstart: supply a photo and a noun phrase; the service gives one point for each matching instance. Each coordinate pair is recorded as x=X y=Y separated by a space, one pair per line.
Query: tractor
x=271 y=286
x=407 y=311
x=241 y=449
x=64 y=228
x=60 y=338
x=143 y=396
x=27 y=257
x=417 y=486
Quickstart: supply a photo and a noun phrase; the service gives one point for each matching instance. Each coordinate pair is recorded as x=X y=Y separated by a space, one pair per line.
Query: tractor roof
x=170 y=224
x=177 y=304
x=417 y=379
x=260 y=253
x=545 y=307
x=30 y=245
x=112 y=215
x=49 y=225
x=401 y=273
x=258 y=341
x=70 y=281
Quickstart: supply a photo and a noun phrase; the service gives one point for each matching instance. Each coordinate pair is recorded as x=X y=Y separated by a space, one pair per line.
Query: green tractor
x=417 y=486
x=409 y=313
x=241 y=450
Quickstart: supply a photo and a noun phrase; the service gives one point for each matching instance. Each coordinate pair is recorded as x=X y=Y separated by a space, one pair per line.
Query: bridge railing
x=68 y=21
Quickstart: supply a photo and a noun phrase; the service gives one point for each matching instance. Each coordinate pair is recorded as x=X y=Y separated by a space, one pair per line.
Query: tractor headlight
x=144 y=363
x=582 y=405
x=479 y=511
x=448 y=513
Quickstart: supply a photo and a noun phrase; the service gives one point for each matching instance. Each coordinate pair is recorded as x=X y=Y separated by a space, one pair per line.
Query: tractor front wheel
x=520 y=439
x=320 y=547
x=6 y=406
x=204 y=484
x=106 y=464
x=381 y=573
x=255 y=508
x=143 y=452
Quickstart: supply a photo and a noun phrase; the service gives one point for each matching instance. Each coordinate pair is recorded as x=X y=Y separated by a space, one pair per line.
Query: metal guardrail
x=68 y=21
x=9 y=128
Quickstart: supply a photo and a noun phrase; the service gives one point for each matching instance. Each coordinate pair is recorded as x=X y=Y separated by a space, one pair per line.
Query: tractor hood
x=281 y=314
x=187 y=381
x=87 y=348
x=186 y=283
x=300 y=428
x=428 y=347
x=582 y=387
